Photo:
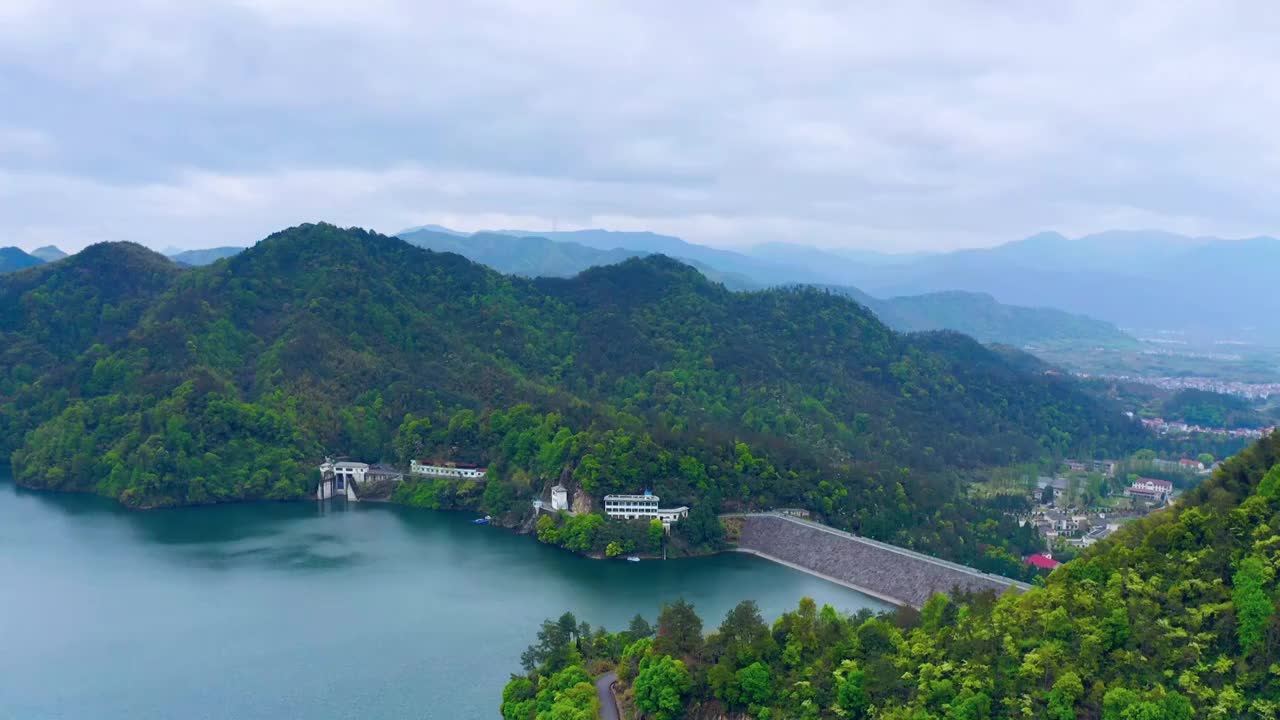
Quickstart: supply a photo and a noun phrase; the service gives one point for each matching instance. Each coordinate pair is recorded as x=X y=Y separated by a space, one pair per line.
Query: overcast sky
x=893 y=126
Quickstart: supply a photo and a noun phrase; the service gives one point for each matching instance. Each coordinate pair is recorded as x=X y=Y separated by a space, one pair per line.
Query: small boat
x=481 y=521
x=633 y=558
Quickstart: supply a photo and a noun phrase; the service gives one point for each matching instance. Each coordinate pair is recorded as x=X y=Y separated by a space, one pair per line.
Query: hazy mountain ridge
x=48 y=253
x=196 y=258
x=13 y=259
x=974 y=314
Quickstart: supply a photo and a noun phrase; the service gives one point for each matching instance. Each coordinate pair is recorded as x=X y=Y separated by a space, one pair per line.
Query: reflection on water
x=238 y=610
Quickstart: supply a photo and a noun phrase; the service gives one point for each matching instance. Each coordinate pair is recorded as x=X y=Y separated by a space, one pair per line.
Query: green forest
x=128 y=376
x=1173 y=618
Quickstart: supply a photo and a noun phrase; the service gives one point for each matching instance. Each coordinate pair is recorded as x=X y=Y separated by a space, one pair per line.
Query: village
x=1087 y=500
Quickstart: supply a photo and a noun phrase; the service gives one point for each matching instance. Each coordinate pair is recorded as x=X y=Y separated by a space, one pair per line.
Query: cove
x=330 y=610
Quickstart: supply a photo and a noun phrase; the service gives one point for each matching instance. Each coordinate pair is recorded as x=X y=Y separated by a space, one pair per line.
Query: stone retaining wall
x=884 y=571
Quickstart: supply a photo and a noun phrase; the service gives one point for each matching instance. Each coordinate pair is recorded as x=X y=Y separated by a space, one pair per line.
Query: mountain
x=1171 y=618
x=760 y=272
x=48 y=253
x=1147 y=280
x=196 y=258
x=533 y=256
x=231 y=381
x=974 y=314
x=527 y=256
x=13 y=259
x=829 y=266
x=432 y=227
x=979 y=316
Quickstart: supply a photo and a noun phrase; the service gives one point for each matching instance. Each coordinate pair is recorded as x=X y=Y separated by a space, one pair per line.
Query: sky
x=898 y=126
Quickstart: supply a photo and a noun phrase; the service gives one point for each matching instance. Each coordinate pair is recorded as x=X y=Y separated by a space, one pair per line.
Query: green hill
x=206 y=256
x=1172 y=618
x=229 y=382
x=13 y=259
x=981 y=317
x=534 y=256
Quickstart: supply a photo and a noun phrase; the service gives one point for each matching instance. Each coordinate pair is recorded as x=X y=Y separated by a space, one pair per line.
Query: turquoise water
x=306 y=610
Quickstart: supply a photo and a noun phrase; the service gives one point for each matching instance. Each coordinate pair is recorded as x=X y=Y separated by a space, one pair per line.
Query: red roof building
x=1043 y=562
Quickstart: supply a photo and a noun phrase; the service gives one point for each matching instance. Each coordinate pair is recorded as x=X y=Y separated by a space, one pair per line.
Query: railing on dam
x=885 y=571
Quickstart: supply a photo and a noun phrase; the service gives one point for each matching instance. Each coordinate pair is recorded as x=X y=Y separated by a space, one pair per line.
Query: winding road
x=608 y=708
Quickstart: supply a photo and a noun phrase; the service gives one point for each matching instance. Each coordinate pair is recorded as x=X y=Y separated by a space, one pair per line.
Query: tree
x=1252 y=605
x=555 y=648
x=1046 y=494
x=851 y=695
x=656 y=533
x=679 y=630
x=639 y=627
x=702 y=528
x=1066 y=690
x=744 y=632
x=632 y=655
x=755 y=684
x=661 y=687
x=518 y=699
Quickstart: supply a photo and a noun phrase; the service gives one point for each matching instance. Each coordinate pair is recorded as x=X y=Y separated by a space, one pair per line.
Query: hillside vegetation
x=161 y=386
x=1173 y=618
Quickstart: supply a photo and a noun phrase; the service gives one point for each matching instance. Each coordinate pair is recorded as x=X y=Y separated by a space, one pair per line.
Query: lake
x=308 y=610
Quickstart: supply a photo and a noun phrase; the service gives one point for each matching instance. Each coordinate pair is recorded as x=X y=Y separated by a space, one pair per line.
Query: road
x=608 y=708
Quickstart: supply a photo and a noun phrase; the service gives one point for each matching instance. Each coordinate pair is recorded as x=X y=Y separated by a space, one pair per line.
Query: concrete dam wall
x=883 y=571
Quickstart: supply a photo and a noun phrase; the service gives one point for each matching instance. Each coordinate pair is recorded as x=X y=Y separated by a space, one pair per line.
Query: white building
x=559 y=498
x=669 y=516
x=634 y=507
x=340 y=478
x=446 y=469
x=631 y=507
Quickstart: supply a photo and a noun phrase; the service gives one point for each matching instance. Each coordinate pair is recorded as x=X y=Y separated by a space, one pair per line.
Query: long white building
x=446 y=469
x=635 y=507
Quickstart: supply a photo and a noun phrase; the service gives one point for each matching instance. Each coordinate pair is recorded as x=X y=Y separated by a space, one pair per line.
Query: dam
x=883 y=571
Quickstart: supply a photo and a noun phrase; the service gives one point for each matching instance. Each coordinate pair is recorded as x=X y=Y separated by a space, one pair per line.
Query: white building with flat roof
x=636 y=507
x=340 y=478
x=631 y=507
x=446 y=469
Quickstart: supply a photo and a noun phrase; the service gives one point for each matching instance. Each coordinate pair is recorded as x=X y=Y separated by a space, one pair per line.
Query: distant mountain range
x=196 y=258
x=1044 y=288
x=565 y=254
x=536 y=256
x=1148 y=280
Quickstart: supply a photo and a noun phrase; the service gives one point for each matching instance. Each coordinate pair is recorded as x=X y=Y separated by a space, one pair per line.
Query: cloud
x=895 y=126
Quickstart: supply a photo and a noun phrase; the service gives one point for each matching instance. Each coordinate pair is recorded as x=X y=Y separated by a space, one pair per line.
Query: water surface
x=308 y=610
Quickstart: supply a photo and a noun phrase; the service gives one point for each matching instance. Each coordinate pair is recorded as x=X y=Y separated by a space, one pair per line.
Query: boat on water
x=482 y=521
x=633 y=558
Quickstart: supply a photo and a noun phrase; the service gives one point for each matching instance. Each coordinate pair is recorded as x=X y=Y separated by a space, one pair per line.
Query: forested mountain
x=162 y=386
x=981 y=317
x=738 y=267
x=532 y=256
x=975 y=314
x=12 y=258
x=527 y=256
x=206 y=256
x=1172 y=618
x=48 y=253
